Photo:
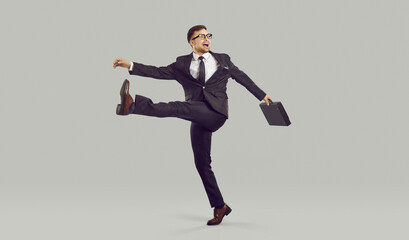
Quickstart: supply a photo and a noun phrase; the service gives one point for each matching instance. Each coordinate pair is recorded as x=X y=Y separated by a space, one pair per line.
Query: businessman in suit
x=203 y=75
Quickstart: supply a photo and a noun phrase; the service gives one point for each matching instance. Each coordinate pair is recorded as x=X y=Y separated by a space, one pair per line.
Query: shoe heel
x=228 y=212
x=118 y=109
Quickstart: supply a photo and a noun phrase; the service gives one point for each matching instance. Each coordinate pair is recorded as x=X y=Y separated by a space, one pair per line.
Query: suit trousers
x=204 y=121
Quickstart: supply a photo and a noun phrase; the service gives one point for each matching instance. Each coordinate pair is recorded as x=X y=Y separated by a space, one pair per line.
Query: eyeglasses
x=203 y=36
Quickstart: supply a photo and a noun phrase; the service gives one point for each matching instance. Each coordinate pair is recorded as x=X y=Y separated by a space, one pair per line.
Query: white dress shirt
x=210 y=63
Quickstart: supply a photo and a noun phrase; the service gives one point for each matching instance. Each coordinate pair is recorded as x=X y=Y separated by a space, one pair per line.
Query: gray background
x=71 y=169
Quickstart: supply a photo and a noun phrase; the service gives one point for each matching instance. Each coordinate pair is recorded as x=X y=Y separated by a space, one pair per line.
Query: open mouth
x=206 y=45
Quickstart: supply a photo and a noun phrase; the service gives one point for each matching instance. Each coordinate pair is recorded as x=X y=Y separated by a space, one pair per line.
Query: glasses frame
x=204 y=36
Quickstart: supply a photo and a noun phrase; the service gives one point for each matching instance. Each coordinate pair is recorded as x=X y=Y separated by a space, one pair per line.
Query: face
x=200 y=46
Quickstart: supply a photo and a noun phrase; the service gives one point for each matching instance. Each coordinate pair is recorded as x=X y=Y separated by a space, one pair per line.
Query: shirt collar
x=205 y=55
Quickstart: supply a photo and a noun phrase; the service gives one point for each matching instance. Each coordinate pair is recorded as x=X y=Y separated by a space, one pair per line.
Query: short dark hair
x=194 y=29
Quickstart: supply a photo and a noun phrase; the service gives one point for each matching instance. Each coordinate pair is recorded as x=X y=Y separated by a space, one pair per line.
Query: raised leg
x=194 y=111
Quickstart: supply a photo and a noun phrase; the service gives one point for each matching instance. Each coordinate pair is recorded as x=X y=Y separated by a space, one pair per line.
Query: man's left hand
x=267 y=99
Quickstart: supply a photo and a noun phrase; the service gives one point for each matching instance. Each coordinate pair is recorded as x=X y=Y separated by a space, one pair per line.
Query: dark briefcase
x=275 y=114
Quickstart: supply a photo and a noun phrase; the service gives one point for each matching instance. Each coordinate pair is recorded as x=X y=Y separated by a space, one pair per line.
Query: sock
x=132 y=108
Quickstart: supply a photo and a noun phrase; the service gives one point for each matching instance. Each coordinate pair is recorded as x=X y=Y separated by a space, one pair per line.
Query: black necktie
x=202 y=70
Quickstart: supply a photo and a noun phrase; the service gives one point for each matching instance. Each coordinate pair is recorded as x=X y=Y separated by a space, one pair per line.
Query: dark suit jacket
x=213 y=91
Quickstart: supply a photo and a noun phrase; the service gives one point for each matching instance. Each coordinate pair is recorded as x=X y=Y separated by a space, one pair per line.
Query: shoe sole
x=120 y=109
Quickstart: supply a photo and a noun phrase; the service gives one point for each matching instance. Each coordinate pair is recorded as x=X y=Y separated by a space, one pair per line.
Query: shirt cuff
x=131 y=67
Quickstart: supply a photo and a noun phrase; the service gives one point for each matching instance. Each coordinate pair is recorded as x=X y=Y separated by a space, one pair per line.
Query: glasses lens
x=203 y=36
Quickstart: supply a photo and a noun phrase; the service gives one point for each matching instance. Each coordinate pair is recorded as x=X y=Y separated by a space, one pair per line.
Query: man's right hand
x=120 y=62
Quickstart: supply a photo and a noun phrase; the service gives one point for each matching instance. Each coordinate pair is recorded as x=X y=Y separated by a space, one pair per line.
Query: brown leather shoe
x=126 y=99
x=219 y=214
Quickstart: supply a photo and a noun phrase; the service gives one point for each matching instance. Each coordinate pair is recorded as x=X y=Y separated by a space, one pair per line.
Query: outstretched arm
x=244 y=80
x=145 y=70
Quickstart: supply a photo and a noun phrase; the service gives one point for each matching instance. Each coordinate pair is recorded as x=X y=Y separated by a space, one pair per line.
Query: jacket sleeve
x=244 y=80
x=152 y=71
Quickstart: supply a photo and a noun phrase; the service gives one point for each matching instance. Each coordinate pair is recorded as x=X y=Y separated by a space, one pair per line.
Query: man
x=203 y=75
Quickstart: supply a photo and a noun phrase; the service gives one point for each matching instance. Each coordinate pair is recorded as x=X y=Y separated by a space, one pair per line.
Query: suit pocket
x=219 y=95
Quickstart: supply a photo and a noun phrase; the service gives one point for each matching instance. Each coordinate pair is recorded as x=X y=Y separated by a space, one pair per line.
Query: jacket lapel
x=187 y=62
x=219 y=59
x=186 y=67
